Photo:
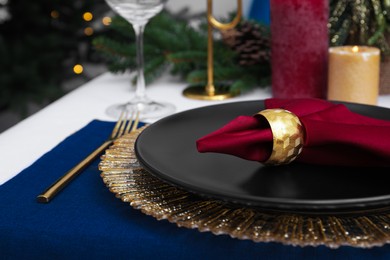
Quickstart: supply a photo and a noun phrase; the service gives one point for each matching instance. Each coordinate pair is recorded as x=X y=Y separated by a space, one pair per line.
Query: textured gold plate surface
x=131 y=183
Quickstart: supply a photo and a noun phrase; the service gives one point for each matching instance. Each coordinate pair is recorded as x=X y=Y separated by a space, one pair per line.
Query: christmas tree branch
x=171 y=43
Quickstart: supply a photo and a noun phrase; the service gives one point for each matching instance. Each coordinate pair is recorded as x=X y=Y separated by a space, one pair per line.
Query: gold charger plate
x=125 y=177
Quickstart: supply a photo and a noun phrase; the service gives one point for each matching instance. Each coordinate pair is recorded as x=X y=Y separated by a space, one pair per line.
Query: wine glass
x=138 y=13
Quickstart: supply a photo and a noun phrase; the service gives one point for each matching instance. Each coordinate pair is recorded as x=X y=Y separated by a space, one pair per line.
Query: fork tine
x=118 y=125
x=132 y=122
x=123 y=125
x=129 y=123
x=136 y=121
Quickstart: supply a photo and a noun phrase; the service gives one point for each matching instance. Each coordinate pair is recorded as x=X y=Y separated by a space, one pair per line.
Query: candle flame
x=355 y=49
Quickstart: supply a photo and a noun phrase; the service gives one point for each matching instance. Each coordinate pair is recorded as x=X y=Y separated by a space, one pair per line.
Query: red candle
x=299 y=38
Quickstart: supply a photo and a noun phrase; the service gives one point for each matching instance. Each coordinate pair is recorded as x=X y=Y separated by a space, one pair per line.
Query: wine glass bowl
x=138 y=13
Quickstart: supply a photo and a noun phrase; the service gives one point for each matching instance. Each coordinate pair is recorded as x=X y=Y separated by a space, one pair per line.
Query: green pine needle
x=171 y=43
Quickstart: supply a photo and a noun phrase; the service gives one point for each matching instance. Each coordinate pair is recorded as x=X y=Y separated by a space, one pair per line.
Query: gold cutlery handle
x=57 y=186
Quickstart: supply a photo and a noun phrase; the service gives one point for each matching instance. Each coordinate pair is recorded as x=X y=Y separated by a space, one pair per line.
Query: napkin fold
x=333 y=135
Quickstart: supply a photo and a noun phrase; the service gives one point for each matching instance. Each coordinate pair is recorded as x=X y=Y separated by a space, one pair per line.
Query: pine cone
x=250 y=41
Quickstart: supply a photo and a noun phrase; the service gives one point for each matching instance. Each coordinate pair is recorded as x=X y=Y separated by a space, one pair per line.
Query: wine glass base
x=147 y=110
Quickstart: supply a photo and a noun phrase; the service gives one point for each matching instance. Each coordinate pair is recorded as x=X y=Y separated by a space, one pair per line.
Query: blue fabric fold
x=86 y=220
x=260 y=11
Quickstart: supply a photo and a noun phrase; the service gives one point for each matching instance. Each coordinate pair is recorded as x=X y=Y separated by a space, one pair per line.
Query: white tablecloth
x=25 y=142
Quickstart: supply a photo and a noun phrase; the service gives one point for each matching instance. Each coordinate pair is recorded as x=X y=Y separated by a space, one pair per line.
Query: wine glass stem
x=140 y=91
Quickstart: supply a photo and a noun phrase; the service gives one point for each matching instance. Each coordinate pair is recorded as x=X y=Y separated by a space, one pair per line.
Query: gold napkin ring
x=288 y=135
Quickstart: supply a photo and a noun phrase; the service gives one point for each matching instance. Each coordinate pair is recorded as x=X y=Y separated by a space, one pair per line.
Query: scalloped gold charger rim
x=125 y=177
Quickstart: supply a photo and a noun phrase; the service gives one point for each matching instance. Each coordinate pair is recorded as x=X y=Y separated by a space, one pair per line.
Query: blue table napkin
x=86 y=220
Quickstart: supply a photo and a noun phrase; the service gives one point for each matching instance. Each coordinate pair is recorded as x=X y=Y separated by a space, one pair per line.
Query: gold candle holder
x=211 y=91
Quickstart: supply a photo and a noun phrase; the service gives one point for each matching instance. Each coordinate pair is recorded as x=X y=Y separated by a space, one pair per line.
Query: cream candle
x=353 y=74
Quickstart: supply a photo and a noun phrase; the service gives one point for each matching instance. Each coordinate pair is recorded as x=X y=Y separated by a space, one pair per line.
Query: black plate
x=167 y=149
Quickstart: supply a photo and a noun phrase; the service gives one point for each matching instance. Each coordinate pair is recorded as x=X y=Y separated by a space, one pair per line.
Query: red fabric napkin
x=334 y=135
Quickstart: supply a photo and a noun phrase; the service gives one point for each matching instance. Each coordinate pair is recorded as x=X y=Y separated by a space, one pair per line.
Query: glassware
x=138 y=13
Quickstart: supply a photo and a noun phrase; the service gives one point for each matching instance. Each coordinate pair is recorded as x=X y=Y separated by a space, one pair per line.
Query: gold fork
x=123 y=126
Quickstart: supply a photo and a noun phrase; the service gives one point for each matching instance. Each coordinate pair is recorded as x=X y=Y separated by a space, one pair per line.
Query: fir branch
x=122 y=27
x=153 y=69
x=171 y=43
x=363 y=22
x=187 y=56
x=185 y=62
x=243 y=84
x=111 y=47
x=197 y=76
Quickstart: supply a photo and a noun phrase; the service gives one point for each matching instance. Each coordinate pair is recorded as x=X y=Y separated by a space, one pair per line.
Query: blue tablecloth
x=86 y=220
